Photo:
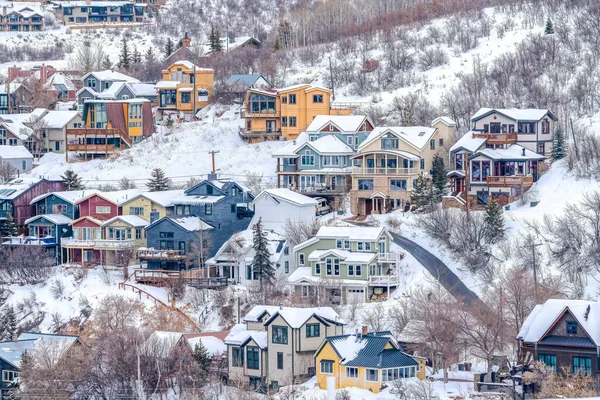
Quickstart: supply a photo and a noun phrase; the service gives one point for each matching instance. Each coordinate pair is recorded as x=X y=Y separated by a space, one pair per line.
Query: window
x=389 y=144
x=307 y=159
x=317 y=269
x=541 y=148
x=422 y=163
x=252 y=357
x=59 y=208
x=351 y=372
x=338 y=244
x=287 y=267
x=365 y=184
x=367 y=246
x=582 y=365
x=301 y=258
x=136 y=210
x=165 y=235
x=359 y=246
x=185 y=97
x=313 y=330
x=280 y=335
x=432 y=144
x=328 y=265
x=548 y=359
x=292 y=121
x=233 y=208
x=135 y=111
x=237 y=357
x=138 y=233
x=326 y=367
x=372 y=375
x=358 y=270
x=336 y=266
x=279 y=360
x=283 y=121
x=208 y=209
x=283 y=99
x=292 y=99
x=317 y=98
x=102 y=210
x=350 y=270
x=57 y=146
x=346 y=244
x=571 y=328
x=397 y=184
x=9 y=376
x=286 y=251
x=440 y=142
x=545 y=127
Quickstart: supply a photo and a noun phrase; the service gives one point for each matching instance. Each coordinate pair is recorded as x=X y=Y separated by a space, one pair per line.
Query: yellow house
x=274 y=113
x=184 y=89
x=391 y=159
x=367 y=361
x=152 y=206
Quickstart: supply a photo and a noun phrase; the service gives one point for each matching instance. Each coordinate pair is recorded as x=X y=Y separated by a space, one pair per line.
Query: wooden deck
x=165 y=278
x=497 y=138
x=160 y=255
x=510 y=181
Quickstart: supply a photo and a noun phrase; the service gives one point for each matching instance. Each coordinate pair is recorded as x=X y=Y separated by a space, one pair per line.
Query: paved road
x=438 y=270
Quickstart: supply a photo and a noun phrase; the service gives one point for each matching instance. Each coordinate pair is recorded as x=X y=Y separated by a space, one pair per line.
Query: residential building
x=319 y=162
x=60 y=87
x=20 y=98
x=21 y=18
x=275 y=345
x=185 y=88
x=123 y=91
x=502 y=156
x=341 y=265
x=369 y=361
x=16 y=195
x=562 y=334
x=277 y=206
x=109 y=126
x=17 y=156
x=216 y=205
x=96 y=82
x=242 y=82
x=39 y=72
x=182 y=53
x=271 y=114
x=231 y=43
x=389 y=161
x=11 y=353
x=152 y=206
x=54 y=125
x=99 y=12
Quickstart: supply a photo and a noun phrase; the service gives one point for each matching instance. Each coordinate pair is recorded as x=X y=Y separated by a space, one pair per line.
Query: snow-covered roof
x=290 y=149
x=59 y=79
x=132 y=220
x=513 y=152
x=14 y=152
x=344 y=255
x=200 y=199
x=525 y=114
x=239 y=246
x=241 y=337
x=543 y=317
x=468 y=142
x=190 y=65
x=416 y=136
x=16 y=187
x=117 y=197
x=163 y=198
x=14 y=86
x=304 y=274
x=28 y=342
x=191 y=223
x=213 y=344
x=296 y=317
x=345 y=123
x=142 y=89
x=70 y=197
x=289 y=196
x=16 y=127
x=58 y=219
x=446 y=120
x=330 y=144
x=58 y=119
x=167 y=84
x=107 y=74
x=245 y=80
x=97 y=3
x=350 y=232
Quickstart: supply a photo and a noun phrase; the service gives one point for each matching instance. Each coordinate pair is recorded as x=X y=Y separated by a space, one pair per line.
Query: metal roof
x=571 y=341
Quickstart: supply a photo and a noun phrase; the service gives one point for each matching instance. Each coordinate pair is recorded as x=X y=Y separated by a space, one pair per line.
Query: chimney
x=212 y=177
x=186 y=41
x=13 y=72
x=523 y=152
x=43 y=74
x=365 y=329
x=280 y=306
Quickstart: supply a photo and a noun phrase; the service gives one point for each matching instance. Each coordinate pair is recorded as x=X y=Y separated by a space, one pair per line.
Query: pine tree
x=180 y=43
x=137 y=56
x=10 y=323
x=106 y=63
x=201 y=356
x=124 y=59
x=168 y=47
x=421 y=193
x=549 y=28
x=558 y=147
x=159 y=181
x=439 y=180
x=215 y=40
x=277 y=45
x=262 y=258
x=494 y=220
x=8 y=226
x=150 y=57
x=72 y=181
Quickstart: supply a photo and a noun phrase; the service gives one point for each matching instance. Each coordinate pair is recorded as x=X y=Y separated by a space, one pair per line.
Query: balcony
x=322 y=189
x=260 y=114
x=509 y=181
x=91 y=148
x=160 y=255
x=247 y=134
x=385 y=171
x=384 y=280
x=348 y=105
x=28 y=241
x=497 y=138
x=98 y=244
x=391 y=258
x=100 y=133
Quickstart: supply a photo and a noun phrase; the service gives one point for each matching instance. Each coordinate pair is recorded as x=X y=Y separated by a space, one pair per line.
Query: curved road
x=438 y=270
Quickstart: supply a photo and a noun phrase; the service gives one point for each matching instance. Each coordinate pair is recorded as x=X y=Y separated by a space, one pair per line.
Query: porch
x=253 y=136
x=317 y=184
x=386 y=162
x=192 y=277
x=497 y=138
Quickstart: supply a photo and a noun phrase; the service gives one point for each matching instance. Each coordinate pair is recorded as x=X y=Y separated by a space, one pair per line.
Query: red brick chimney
x=186 y=40
x=365 y=329
x=13 y=72
x=43 y=74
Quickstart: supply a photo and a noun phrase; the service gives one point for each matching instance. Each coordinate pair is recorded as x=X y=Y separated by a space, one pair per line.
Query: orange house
x=276 y=113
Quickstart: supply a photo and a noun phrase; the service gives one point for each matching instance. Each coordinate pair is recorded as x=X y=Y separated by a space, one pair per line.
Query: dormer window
x=571 y=328
x=331 y=127
x=389 y=143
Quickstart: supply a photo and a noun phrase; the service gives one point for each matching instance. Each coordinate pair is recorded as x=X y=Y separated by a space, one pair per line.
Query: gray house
x=17 y=156
x=97 y=82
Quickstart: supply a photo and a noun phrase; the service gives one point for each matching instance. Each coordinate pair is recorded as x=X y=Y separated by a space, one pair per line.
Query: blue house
x=11 y=353
x=220 y=204
x=319 y=161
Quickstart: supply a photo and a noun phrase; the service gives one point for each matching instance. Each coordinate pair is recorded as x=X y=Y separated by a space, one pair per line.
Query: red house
x=16 y=195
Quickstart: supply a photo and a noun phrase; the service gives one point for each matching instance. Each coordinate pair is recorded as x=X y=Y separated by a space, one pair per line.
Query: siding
x=22 y=210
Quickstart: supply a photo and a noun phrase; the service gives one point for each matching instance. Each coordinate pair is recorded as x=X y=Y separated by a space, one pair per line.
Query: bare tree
x=7 y=171
x=297 y=232
x=25 y=264
x=87 y=57
x=200 y=247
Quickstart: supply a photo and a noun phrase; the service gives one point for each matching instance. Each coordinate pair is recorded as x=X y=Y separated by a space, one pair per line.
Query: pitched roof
x=344 y=255
x=14 y=152
x=16 y=187
x=59 y=79
x=345 y=123
x=468 y=142
x=58 y=119
x=163 y=198
x=58 y=219
x=297 y=317
x=287 y=195
x=240 y=338
x=191 y=223
x=12 y=351
x=116 y=197
x=214 y=344
x=132 y=220
x=111 y=75
x=525 y=114
x=416 y=136
x=513 y=152
x=246 y=80
x=351 y=232
x=446 y=120
x=329 y=144
x=70 y=197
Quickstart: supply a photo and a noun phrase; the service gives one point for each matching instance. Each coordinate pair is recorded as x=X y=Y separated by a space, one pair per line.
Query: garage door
x=355 y=296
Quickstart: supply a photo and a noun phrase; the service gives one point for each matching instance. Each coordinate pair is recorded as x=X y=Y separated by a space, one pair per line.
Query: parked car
x=244 y=212
x=322 y=207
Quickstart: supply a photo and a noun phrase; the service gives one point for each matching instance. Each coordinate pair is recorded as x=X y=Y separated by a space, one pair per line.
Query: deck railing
x=497 y=138
x=99 y=244
x=384 y=280
x=160 y=255
x=502 y=181
x=385 y=171
x=100 y=132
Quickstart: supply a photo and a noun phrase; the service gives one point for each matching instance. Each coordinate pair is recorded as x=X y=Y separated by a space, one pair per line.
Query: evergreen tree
x=201 y=356
x=549 y=28
x=558 y=146
x=215 y=40
x=124 y=58
x=494 y=219
x=8 y=226
x=106 y=63
x=150 y=57
x=421 y=193
x=168 y=47
x=180 y=43
x=137 y=56
x=72 y=181
x=9 y=321
x=159 y=181
x=277 y=45
x=439 y=180
x=262 y=258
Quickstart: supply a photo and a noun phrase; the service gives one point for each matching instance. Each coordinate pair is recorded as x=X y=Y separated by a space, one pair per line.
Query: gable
x=124 y=91
x=165 y=224
x=201 y=189
x=559 y=327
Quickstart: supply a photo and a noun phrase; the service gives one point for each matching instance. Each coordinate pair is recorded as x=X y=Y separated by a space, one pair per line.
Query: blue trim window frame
x=208 y=208
x=571 y=328
x=548 y=359
x=582 y=365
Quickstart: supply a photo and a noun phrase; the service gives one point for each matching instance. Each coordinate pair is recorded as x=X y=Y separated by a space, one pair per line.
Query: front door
x=270 y=126
x=368 y=206
x=333 y=183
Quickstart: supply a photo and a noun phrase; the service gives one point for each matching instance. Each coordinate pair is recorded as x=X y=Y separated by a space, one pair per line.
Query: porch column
x=385 y=163
x=82 y=262
x=278 y=176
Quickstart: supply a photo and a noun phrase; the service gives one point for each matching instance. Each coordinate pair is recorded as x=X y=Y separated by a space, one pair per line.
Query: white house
x=276 y=206
x=17 y=156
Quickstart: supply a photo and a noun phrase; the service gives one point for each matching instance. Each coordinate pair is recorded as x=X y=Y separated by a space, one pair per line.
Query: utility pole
x=212 y=153
x=331 y=75
x=466 y=188
x=535 y=285
x=8 y=93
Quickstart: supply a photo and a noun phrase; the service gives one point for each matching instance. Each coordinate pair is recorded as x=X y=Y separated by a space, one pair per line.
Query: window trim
x=314 y=332
x=285 y=338
x=354 y=375
x=324 y=363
